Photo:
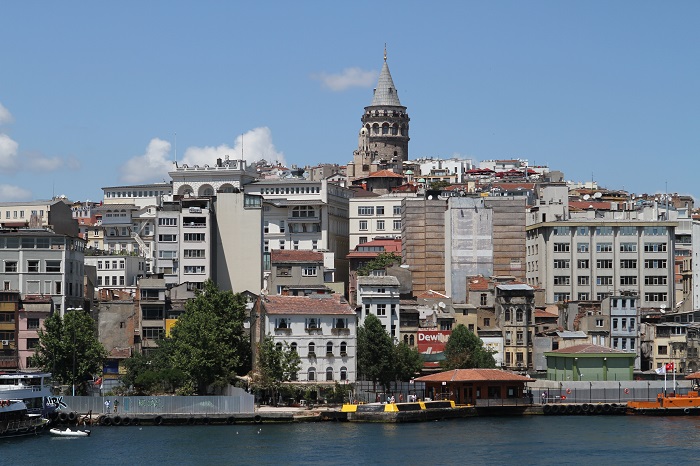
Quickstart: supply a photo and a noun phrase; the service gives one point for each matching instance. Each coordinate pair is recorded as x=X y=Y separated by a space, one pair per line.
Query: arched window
x=412 y=340
x=278 y=346
x=519 y=315
x=293 y=347
x=313 y=323
x=282 y=323
x=385 y=128
x=395 y=129
x=405 y=339
x=312 y=349
x=311 y=376
x=343 y=348
x=329 y=373
x=329 y=348
x=375 y=128
x=343 y=373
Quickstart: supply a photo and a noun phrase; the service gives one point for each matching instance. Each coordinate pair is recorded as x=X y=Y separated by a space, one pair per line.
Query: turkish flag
x=669 y=367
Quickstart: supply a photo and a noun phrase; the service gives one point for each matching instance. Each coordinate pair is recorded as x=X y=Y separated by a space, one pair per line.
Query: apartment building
x=116 y=271
x=374 y=217
x=41 y=262
x=55 y=214
x=379 y=295
x=322 y=329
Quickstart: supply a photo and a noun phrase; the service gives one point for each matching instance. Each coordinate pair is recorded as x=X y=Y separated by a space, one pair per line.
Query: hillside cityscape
x=538 y=267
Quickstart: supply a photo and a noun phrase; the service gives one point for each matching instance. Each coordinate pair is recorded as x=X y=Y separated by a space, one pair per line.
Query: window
x=582 y=231
x=10 y=266
x=281 y=244
x=329 y=348
x=628 y=247
x=32 y=323
x=561 y=263
x=169 y=222
x=365 y=210
x=582 y=247
x=583 y=263
x=662 y=349
x=599 y=323
x=561 y=297
x=380 y=210
x=343 y=373
x=655 y=264
x=167 y=238
x=329 y=373
x=655 y=280
x=303 y=211
x=363 y=225
x=312 y=349
x=194 y=269
x=628 y=280
x=487 y=322
x=560 y=231
x=33 y=266
x=343 y=348
x=561 y=280
x=561 y=247
x=604 y=280
x=655 y=231
x=312 y=323
x=397 y=210
x=152 y=333
x=397 y=224
x=604 y=247
x=584 y=296
x=603 y=231
x=381 y=309
x=311 y=374
x=654 y=247
x=282 y=323
x=614 y=324
x=628 y=264
x=295 y=244
x=483 y=299
x=32 y=343
x=519 y=315
x=655 y=297
x=380 y=225
x=584 y=280
x=194 y=237
x=309 y=271
x=628 y=231
x=604 y=263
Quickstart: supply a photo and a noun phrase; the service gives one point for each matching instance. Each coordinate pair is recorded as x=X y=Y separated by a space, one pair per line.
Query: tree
x=276 y=364
x=375 y=352
x=152 y=374
x=407 y=362
x=464 y=350
x=382 y=261
x=208 y=342
x=69 y=349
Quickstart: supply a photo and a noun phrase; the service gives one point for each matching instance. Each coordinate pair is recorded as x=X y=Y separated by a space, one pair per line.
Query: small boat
x=70 y=433
x=15 y=420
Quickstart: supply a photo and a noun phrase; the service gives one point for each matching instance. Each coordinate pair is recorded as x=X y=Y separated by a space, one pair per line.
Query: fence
x=236 y=404
x=604 y=392
x=366 y=392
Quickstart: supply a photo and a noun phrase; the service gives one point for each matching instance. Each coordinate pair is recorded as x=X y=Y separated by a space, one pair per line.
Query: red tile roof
x=474 y=375
x=385 y=174
x=478 y=284
x=431 y=294
x=333 y=304
x=294 y=255
x=539 y=314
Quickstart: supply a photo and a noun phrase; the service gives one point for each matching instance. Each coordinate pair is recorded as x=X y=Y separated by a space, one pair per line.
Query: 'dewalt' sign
x=431 y=344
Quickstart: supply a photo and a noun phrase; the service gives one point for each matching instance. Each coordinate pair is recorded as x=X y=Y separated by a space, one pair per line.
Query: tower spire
x=385 y=51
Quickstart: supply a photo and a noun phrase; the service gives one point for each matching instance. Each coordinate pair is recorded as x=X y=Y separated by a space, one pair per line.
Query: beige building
x=374 y=217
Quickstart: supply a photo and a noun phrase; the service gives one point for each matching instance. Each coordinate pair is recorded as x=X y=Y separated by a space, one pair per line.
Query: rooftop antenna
x=242 y=158
x=175 y=147
x=384 y=51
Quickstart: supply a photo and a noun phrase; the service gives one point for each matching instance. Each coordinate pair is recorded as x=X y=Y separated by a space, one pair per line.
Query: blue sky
x=92 y=94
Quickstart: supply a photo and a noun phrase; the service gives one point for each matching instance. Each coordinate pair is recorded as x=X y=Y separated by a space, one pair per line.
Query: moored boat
x=667 y=405
x=34 y=388
x=16 y=421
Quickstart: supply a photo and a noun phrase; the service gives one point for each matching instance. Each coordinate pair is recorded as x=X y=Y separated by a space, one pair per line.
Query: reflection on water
x=522 y=440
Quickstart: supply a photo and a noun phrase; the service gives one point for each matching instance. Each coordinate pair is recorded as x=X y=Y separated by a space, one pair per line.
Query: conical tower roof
x=385 y=93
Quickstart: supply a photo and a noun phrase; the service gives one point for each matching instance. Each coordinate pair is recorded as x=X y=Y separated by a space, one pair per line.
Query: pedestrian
x=544 y=397
x=116 y=406
x=107 y=406
x=400 y=397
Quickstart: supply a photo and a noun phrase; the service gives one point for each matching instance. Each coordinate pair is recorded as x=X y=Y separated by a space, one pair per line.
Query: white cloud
x=349 y=77
x=149 y=167
x=14 y=193
x=5 y=115
x=256 y=144
x=50 y=164
x=8 y=152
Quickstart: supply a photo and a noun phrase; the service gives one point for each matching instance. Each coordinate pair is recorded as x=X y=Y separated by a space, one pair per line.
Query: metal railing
x=122 y=405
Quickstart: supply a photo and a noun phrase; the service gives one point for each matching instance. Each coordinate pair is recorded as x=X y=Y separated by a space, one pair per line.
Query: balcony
x=283 y=331
x=340 y=331
x=314 y=330
x=312 y=354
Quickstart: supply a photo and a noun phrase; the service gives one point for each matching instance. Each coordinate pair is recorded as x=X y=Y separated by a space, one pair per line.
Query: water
x=525 y=440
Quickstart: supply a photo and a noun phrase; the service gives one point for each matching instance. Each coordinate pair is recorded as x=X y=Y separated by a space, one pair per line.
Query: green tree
x=69 y=349
x=375 y=352
x=276 y=364
x=464 y=350
x=152 y=374
x=208 y=342
x=407 y=362
x=382 y=261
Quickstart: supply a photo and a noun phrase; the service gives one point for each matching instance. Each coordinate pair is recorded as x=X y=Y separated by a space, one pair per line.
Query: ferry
x=667 y=405
x=15 y=421
x=34 y=389
x=425 y=410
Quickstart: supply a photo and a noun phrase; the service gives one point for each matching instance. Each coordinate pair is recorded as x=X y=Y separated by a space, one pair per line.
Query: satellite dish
x=441 y=305
x=598 y=195
x=586 y=197
x=663 y=309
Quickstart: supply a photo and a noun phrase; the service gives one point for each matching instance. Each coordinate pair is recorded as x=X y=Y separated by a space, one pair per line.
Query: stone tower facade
x=383 y=138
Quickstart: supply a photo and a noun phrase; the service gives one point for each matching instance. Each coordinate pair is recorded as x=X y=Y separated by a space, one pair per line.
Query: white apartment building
x=41 y=262
x=624 y=324
x=118 y=271
x=308 y=215
x=379 y=295
x=225 y=176
x=374 y=217
x=322 y=329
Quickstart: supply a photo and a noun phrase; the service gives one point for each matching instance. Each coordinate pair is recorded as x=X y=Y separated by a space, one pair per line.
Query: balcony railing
x=314 y=330
x=340 y=331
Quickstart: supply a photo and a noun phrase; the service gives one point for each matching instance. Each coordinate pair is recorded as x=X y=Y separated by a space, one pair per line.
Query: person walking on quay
x=107 y=406
x=116 y=406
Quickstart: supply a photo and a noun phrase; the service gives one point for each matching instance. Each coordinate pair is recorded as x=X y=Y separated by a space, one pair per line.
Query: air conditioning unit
x=5 y=342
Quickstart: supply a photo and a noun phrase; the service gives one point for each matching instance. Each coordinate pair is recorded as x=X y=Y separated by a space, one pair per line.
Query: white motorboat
x=67 y=432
